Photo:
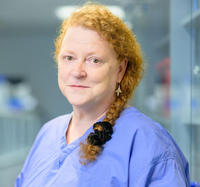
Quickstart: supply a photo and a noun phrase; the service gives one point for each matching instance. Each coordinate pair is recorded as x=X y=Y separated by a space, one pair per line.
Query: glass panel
x=195 y=90
x=180 y=52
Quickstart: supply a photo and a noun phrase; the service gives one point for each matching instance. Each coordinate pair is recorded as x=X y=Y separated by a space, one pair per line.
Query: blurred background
x=168 y=31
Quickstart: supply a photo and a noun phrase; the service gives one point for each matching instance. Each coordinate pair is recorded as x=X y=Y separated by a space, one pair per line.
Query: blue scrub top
x=141 y=153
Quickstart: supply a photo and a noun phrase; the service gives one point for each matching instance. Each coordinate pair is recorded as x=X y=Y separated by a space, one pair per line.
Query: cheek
x=62 y=77
x=60 y=83
x=109 y=72
x=105 y=79
x=62 y=72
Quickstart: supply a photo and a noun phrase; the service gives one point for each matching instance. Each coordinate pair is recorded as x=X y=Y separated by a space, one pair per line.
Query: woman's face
x=88 y=70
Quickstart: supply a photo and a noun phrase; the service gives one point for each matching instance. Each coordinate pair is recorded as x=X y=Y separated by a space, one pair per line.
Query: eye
x=94 y=60
x=68 y=58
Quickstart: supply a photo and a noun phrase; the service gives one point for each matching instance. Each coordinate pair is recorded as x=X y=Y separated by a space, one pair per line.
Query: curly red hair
x=123 y=41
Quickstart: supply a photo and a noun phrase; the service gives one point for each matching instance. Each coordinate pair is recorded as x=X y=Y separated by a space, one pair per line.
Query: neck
x=85 y=117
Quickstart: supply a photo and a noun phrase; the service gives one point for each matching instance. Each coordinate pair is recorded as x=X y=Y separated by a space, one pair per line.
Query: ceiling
x=37 y=15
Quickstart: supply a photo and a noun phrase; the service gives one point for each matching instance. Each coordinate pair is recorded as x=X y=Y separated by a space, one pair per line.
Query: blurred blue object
x=195 y=5
x=195 y=184
x=16 y=104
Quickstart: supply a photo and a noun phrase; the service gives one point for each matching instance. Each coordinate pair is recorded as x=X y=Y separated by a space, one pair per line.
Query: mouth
x=78 y=86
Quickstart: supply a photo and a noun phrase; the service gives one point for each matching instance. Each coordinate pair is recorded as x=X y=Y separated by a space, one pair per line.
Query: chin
x=77 y=101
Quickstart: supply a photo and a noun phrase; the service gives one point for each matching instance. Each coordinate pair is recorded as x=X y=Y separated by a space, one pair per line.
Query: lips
x=79 y=86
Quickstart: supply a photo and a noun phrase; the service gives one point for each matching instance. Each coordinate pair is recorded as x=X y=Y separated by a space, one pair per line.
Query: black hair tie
x=100 y=137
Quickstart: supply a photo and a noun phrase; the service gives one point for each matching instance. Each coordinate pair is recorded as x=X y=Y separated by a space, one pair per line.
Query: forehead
x=81 y=33
x=77 y=36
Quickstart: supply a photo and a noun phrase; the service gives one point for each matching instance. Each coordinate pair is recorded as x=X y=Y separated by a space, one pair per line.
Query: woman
x=103 y=142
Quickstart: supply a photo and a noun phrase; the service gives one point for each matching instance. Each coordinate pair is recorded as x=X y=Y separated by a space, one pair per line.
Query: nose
x=79 y=70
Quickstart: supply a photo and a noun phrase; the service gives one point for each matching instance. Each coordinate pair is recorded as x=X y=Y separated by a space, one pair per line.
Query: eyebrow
x=67 y=51
x=87 y=54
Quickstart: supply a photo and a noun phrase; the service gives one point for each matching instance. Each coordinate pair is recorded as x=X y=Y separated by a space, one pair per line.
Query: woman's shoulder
x=136 y=121
x=148 y=137
x=56 y=123
x=52 y=130
x=150 y=145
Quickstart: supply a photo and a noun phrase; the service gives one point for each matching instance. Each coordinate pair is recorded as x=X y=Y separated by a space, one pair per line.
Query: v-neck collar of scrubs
x=68 y=148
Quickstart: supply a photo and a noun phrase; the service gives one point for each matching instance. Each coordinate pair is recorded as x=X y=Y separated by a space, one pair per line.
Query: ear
x=122 y=70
